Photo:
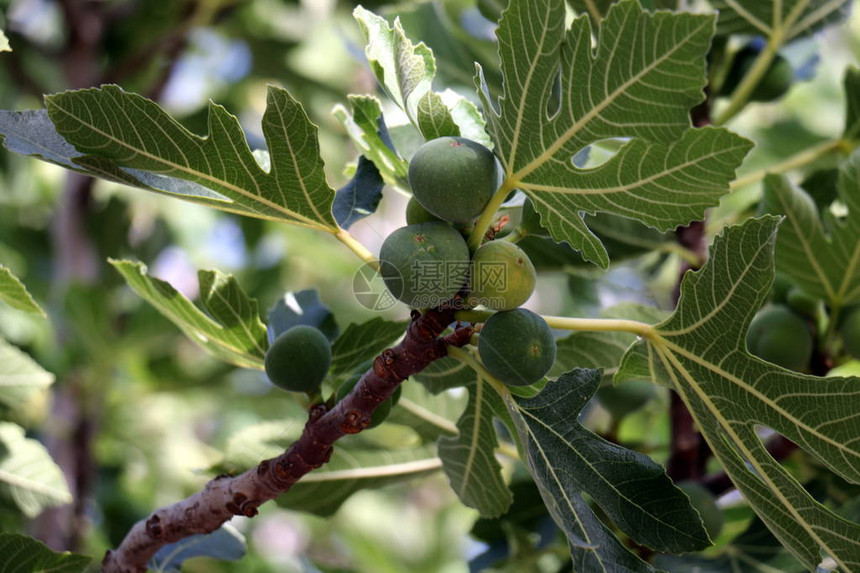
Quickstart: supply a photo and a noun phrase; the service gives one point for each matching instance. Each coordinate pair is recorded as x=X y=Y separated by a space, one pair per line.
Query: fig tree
x=380 y=413
x=779 y=336
x=849 y=328
x=625 y=398
x=503 y=276
x=517 y=347
x=299 y=359
x=704 y=502
x=424 y=265
x=453 y=178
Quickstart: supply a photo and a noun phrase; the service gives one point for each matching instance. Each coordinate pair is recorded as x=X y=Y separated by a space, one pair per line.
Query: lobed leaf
x=824 y=264
x=787 y=18
x=731 y=394
x=469 y=458
x=125 y=134
x=23 y=554
x=366 y=127
x=640 y=82
x=29 y=478
x=567 y=460
x=20 y=376
x=230 y=329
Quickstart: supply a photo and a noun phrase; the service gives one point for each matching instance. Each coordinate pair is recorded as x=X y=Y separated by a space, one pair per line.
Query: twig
x=224 y=496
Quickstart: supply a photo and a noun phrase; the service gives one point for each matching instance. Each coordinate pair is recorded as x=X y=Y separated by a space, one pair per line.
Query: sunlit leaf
x=732 y=394
x=788 y=18
x=230 y=329
x=22 y=554
x=366 y=127
x=824 y=264
x=15 y=294
x=29 y=478
x=640 y=82
x=4 y=43
x=469 y=459
x=568 y=460
x=20 y=376
x=121 y=132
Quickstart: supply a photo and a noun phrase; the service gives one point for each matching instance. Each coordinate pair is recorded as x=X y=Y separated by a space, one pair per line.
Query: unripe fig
x=704 y=502
x=416 y=214
x=517 y=347
x=424 y=265
x=380 y=413
x=779 y=336
x=849 y=328
x=802 y=302
x=453 y=178
x=626 y=397
x=299 y=359
x=503 y=276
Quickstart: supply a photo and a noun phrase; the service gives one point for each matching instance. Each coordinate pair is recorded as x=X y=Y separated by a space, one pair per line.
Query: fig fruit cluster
x=427 y=263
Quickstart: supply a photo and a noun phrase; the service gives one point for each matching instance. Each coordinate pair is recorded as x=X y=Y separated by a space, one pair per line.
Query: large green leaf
x=362 y=342
x=469 y=459
x=351 y=468
x=126 y=134
x=28 y=476
x=13 y=293
x=444 y=374
x=22 y=554
x=646 y=73
x=597 y=9
x=568 y=460
x=20 y=376
x=824 y=265
x=732 y=394
x=787 y=18
x=230 y=329
x=852 y=103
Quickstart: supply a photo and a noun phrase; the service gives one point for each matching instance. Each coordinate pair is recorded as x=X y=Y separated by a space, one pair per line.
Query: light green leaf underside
x=14 y=293
x=20 y=376
x=351 y=468
x=231 y=331
x=22 y=554
x=730 y=393
x=406 y=71
x=431 y=415
x=788 y=18
x=361 y=122
x=640 y=83
x=123 y=132
x=824 y=265
x=469 y=459
x=362 y=342
x=567 y=460
x=29 y=478
x=4 y=43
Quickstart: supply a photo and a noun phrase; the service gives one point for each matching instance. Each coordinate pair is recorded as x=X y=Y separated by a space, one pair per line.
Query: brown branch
x=224 y=496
